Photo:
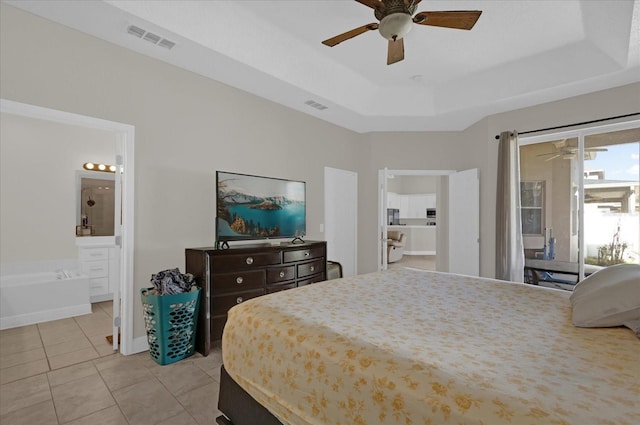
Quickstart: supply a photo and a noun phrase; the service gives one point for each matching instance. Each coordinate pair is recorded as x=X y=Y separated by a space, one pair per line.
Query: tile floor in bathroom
x=65 y=372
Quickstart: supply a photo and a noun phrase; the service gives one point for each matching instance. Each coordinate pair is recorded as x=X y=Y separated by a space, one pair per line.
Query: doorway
x=122 y=136
x=456 y=220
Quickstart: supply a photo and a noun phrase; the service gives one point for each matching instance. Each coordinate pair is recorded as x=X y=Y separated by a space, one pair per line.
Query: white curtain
x=509 y=247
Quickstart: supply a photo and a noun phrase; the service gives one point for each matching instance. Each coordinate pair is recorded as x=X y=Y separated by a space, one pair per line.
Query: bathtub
x=29 y=298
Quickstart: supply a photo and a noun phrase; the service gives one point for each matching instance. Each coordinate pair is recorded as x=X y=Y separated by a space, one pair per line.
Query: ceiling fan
x=395 y=22
x=569 y=152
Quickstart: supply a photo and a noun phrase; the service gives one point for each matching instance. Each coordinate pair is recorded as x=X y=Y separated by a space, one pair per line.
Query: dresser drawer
x=95 y=268
x=303 y=254
x=235 y=262
x=312 y=267
x=242 y=280
x=223 y=303
x=314 y=279
x=281 y=274
x=91 y=254
x=281 y=287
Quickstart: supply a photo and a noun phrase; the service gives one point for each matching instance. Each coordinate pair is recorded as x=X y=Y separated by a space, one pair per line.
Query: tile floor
x=424 y=262
x=65 y=372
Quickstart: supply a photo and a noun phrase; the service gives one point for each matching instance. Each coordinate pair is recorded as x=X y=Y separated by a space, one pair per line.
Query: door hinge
x=119 y=160
x=119 y=241
x=116 y=322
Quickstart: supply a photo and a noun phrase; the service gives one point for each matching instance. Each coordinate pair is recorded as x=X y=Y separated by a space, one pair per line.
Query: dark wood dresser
x=233 y=275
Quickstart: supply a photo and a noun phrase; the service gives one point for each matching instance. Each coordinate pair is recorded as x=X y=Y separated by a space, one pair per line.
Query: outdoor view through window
x=551 y=206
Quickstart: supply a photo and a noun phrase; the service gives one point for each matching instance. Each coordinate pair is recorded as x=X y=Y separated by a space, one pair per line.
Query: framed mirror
x=95 y=206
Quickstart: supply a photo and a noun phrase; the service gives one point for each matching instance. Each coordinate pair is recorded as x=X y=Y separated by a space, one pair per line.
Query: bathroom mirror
x=95 y=207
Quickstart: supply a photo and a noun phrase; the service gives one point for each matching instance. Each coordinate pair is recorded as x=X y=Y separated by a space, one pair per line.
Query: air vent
x=315 y=104
x=150 y=37
x=166 y=43
x=136 y=31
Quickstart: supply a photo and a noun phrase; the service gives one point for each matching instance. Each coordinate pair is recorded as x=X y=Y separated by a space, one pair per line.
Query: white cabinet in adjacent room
x=99 y=263
x=393 y=200
x=420 y=240
x=415 y=206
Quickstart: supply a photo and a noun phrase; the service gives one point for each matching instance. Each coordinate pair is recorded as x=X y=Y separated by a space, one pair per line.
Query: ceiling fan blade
x=596 y=150
x=349 y=34
x=395 y=53
x=553 y=157
x=374 y=4
x=458 y=19
x=548 y=154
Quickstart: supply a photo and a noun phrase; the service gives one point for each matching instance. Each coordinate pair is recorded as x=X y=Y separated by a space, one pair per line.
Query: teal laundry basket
x=170 y=322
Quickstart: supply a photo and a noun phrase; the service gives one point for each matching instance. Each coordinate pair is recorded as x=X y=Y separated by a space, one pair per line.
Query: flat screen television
x=253 y=207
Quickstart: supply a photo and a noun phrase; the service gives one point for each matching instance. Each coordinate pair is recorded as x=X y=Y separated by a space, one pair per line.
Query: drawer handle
x=249 y=260
x=281 y=274
x=312 y=268
x=307 y=253
x=239 y=280
x=239 y=300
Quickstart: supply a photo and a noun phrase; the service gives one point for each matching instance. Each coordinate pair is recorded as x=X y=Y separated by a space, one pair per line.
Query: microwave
x=431 y=213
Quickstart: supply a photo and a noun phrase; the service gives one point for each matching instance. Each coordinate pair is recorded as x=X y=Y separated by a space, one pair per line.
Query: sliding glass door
x=611 y=194
x=580 y=193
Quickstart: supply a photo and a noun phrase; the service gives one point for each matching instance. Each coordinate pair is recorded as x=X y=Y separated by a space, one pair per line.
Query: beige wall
x=476 y=147
x=413 y=184
x=38 y=192
x=187 y=127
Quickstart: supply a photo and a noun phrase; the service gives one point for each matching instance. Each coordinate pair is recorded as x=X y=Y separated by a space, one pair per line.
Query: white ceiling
x=520 y=53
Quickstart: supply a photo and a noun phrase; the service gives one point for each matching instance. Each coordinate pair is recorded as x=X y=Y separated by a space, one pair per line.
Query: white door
x=341 y=218
x=383 y=175
x=464 y=222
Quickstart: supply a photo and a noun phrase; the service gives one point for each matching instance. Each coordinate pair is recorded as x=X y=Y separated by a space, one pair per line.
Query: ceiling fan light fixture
x=395 y=25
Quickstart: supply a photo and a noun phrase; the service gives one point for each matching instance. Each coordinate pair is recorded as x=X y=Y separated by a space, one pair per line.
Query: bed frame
x=239 y=407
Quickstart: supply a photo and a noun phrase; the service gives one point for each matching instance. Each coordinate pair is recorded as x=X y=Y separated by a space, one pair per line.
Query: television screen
x=253 y=207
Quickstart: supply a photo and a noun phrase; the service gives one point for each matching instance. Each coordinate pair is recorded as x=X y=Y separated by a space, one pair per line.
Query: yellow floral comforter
x=417 y=348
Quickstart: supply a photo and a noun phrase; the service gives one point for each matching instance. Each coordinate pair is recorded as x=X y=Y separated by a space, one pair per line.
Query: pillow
x=608 y=297
x=634 y=325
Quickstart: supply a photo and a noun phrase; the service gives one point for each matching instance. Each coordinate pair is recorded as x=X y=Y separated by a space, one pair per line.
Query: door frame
x=124 y=136
x=383 y=175
x=580 y=134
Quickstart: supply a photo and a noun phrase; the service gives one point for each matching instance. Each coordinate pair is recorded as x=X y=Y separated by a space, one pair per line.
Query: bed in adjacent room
x=414 y=347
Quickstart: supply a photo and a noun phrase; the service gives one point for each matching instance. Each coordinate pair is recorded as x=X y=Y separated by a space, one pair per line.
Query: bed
x=406 y=346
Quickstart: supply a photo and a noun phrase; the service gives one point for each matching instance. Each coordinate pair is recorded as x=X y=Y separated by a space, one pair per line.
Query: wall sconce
x=90 y=166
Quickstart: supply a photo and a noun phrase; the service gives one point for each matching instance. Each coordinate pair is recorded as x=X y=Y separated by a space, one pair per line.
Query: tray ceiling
x=520 y=53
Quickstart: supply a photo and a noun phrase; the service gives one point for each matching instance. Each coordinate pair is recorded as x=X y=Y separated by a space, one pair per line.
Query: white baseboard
x=101 y=298
x=419 y=253
x=44 y=316
x=140 y=344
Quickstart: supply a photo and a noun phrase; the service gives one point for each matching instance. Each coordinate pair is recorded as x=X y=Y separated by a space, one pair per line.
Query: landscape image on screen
x=253 y=207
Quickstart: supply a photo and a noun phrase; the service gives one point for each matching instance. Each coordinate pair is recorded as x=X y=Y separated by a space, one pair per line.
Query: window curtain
x=509 y=247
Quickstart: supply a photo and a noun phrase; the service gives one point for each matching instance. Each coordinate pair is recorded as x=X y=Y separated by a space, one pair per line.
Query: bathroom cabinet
x=97 y=260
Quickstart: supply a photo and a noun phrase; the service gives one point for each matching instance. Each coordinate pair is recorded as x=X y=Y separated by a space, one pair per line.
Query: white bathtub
x=29 y=298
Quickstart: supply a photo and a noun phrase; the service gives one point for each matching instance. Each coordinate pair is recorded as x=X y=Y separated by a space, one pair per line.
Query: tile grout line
x=55 y=410
x=178 y=400
x=46 y=355
x=110 y=391
x=86 y=336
